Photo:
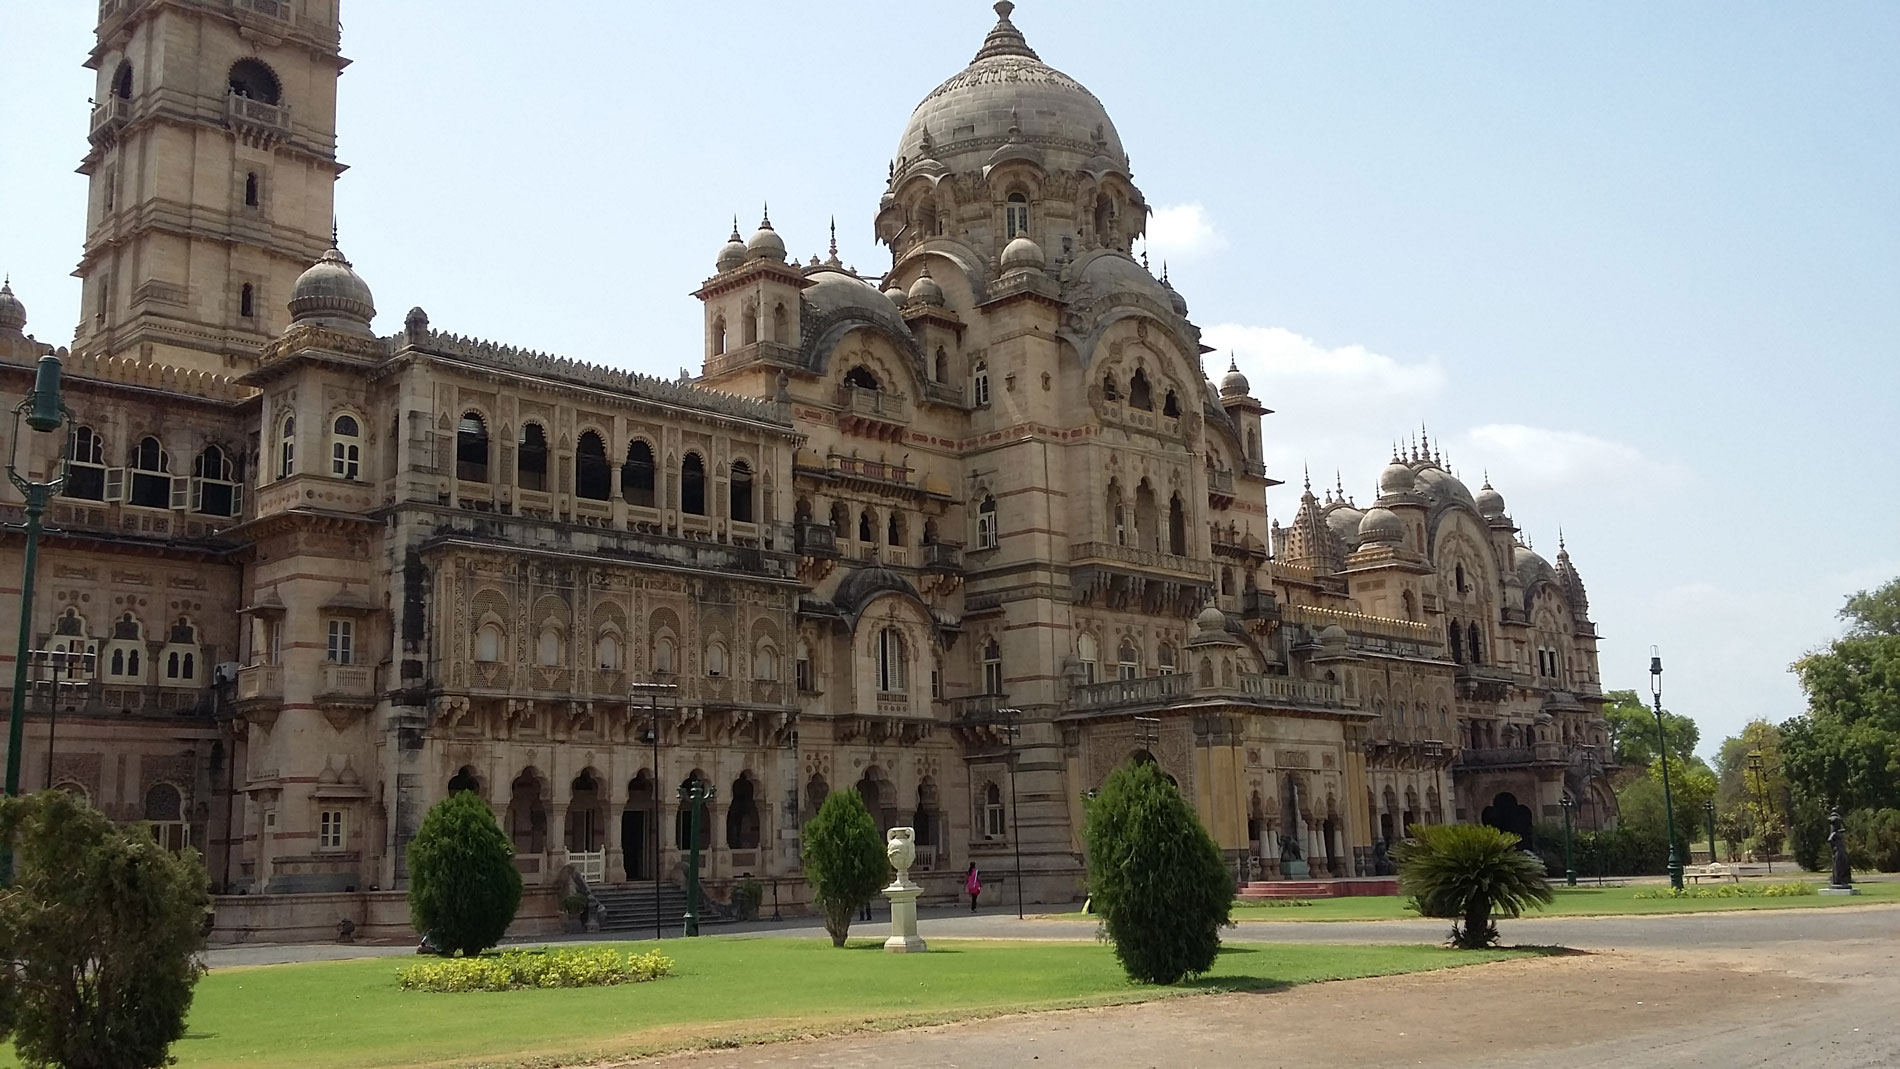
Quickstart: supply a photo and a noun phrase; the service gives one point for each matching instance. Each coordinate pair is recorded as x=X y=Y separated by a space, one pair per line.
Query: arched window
x=980 y=385
x=749 y=325
x=719 y=336
x=1164 y=659
x=254 y=81
x=986 y=533
x=1086 y=653
x=739 y=492
x=1177 y=527
x=489 y=642
x=1171 y=406
x=716 y=660
x=765 y=663
x=801 y=668
x=693 y=485
x=531 y=461
x=992 y=667
x=1474 y=640
x=840 y=521
x=894 y=529
x=865 y=529
x=471 y=448
x=861 y=378
x=1226 y=582
x=781 y=325
x=1461 y=579
x=663 y=655
x=992 y=821
x=346 y=450
x=547 y=650
x=250 y=190
x=1104 y=215
x=592 y=479
x=1456 y=637
x=1140 y=394
x=636 y=476
x=122 y=81
x=151 y=478
x=213 y=490
x=941 y=367
x=1253 y=445
x=163 y=803
x=607 y=652
x=1110 y=390
x=247 y=304
x=1147 y=530
x=742 y=815
x=890 y=661
x=1016 y=216
x=1127 y=660
x=86 y=474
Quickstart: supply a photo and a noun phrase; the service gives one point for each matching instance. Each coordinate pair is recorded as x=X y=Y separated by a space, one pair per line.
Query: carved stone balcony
x=816 y=540
x=943 y=557
x=1483 y=682
x=1160 y=692
x=346 y=684
x=1543 y=753
x=1220 y=487
x=256 y=120
x=1259 y=605
x=108 y=116
x=260 y=686
x=1123 y=577
x=872 y=413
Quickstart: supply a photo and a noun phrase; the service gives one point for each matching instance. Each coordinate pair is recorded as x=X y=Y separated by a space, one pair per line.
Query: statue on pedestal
x=1837 y=838
x=900 y=846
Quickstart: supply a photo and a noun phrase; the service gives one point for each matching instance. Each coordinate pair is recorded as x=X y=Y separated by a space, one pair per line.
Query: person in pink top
x=973 y=884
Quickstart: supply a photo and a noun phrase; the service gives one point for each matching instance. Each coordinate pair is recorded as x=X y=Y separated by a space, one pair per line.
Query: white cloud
x=1178 y=231
x=1586 y=468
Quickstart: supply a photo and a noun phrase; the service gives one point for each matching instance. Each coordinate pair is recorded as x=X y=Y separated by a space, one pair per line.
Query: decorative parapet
x=125 y=371
x=1317 y=617
x=1162 y=691
x=1141 y=559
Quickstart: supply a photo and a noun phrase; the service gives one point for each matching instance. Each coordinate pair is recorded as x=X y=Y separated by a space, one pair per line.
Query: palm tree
x=1469 y=872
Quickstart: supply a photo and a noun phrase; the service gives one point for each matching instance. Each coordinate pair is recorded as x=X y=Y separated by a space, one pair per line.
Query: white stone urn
x=900 y=846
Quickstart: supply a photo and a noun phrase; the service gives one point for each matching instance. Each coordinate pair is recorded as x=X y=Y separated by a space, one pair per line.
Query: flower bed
x=1733 y=890
x=512 y=969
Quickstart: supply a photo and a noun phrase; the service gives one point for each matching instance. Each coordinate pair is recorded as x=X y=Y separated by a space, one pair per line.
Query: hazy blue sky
x=1640 y=261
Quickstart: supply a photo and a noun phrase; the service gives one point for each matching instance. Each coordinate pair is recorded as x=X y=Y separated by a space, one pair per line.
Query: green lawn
x=1581 y=901
x=351 y=1014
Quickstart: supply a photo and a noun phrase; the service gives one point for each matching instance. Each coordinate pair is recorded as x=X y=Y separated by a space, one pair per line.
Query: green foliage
x=1750 y=794
x=100 y=934
x=1632 y=723
x=844 y=860
x=507 y=971
x=464 y=888
x=1469 y=872
x=1807 y=835
x=1158 y=881
x=1873 y=839
x=1622 y=851
x=746 y=896
x=1845 y=750
x=1731 y=890
x=1874 y=612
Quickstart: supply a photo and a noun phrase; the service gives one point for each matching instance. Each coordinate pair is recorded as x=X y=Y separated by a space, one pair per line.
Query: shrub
x=100 y=931
x=1873 y=839
x=746 y=896
x=1158 y=882
x=512 y=969
x=1732 y=890
x=1469 y=872
x=463 y=885
x=1808 y=832
x=844 y=860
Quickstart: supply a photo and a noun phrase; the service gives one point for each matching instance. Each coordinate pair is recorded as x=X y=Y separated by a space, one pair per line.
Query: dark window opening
x=250 y=190
x=151 y=478
x=864 y=528
x=471 y=449
x=1177 y=527
x=1139 y=394
x=122 y=82
x=254 y=81
x=636 y=477
x=1171 y=406
x=592 y=479
x=531 y=465
x=861 y=377
x=894 y=531
x=1457 y=643
x=86 y=475
x=1473 y=641
x=693 y=485
x=739 y=492
x=247 y=305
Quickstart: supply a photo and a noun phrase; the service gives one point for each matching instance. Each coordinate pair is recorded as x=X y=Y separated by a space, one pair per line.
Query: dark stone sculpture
x=1837 y=838
x=1381 y=861
x=1289 y=848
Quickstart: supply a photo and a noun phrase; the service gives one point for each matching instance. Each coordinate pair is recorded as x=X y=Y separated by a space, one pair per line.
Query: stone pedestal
x=901 y=849
x=1293 y=870
x=1840 y=890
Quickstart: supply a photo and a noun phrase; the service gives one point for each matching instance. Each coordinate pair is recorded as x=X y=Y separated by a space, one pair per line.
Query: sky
x=1638 y=262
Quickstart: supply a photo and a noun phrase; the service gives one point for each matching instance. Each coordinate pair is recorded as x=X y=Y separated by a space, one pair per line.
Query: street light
x=1570 y=868
x=1758 y=766
x=1662 y=749
x=1012 y=728
x=694 y=794
x=41 y=411
x=653 y=692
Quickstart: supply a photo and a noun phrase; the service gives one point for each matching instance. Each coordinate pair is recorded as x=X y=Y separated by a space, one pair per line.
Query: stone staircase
x=1342 y=888
x=630 y=908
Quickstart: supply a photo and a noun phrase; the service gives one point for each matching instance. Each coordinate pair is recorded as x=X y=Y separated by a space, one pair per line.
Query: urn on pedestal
x=901 y=848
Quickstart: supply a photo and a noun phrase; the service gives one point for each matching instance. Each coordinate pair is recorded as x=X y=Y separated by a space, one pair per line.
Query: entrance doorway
x=1506 y=813
x=637 y=828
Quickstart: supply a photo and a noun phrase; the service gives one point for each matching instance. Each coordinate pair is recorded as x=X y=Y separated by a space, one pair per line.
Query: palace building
x=962 y=537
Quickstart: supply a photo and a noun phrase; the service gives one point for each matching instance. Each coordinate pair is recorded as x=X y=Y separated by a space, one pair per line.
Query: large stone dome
x=1008 y=94
x=330 y=291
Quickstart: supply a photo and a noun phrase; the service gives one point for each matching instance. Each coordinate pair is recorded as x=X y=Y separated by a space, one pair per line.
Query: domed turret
x=1397 y=478
x=1490 y=502
x=1381 y=524
x=330 y=291
x=1211 y=619
x=765 y=244
x=1334 y=638
x=1022 y=255
x=1175 y=300
x=732 y=253
x=1233 y=384
x=896 y=294
x=12 y=312
x=925 y=291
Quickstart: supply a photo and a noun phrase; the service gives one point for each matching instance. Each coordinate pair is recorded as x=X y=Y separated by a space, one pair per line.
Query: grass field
x=724 y=992
x=1581 y=901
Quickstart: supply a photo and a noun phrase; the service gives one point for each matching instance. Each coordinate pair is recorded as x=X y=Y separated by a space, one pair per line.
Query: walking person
x=973 y=884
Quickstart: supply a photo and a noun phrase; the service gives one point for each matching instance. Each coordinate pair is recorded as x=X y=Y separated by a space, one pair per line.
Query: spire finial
x=735 y=227
x=1232 y=363
x=765 y=216
x=1164 y=267
x=1308 y=470
x=1004 y=38
x=333 y=233
x=834 y=237
x=1561 y=548
x=1144 y=255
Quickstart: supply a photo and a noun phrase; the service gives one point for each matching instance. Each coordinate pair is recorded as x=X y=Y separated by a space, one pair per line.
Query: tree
x=1751 y=794
x=844 y=860
x=1156 y=879
x=1845 y=750
x=99 y=937
x=1632 y=723
x=1469 y=872
x=464 y=888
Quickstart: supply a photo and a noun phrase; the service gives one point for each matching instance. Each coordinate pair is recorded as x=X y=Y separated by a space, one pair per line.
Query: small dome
x=1175 y=300
x=925 y=290
x=1233 y=384
x=1022 y=255
x=897 y=295
x=1396 y=479
x=331 y=290
x=1490 y=502
x=1381 y=524
x=732 y=253
x=1334 y=637
x=1211 y=619
x=765 y=244
x=12 y=312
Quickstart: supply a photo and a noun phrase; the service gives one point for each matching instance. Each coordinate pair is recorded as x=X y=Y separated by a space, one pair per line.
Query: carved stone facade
x=963 y=538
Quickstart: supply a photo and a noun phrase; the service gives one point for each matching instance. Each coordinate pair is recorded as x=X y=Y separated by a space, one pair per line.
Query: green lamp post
x=694 y=795
x=1662 y=750
x=1708 y=820
x=1570 y=867
x=42 y=411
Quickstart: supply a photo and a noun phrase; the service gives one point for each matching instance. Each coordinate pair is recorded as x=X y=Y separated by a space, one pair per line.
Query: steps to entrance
x=631 y=907
x=1343 y=888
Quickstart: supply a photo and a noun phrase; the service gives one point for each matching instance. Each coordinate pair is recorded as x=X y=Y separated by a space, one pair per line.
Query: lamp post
x=1570 y=867
x=1757 y=766
x=653 y=691
x=1708 y=823
x=41 y=411
x=694 y=794
x=1662 y=750
x=1012 y=728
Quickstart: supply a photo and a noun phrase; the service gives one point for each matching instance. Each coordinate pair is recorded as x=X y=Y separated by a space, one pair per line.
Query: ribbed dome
x=732 y=253
x=1381 y=524
x=1008 y=94
x=925 y=290
x=1022 y=254
x=331 y=290
x=1233 y=384
x=1397 y=478
x=765 y=244
x=12 y=312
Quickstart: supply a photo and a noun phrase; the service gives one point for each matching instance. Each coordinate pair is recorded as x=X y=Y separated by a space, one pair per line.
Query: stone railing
x=943 y=557
x=110 y=113
x=260 y=681
x=1505 y=756
x=249 y=111
x=1143 y=559
x=816 y=540
x=345 y=680
x=525 y=534
x=1318 y=617
x=273 y=9
x=1164 y=690
x=1220 y=481
x=881 y=405
x=876 y=470
x=943 y=392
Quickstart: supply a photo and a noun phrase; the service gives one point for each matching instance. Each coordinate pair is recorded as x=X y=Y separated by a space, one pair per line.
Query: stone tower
x=212 y=161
